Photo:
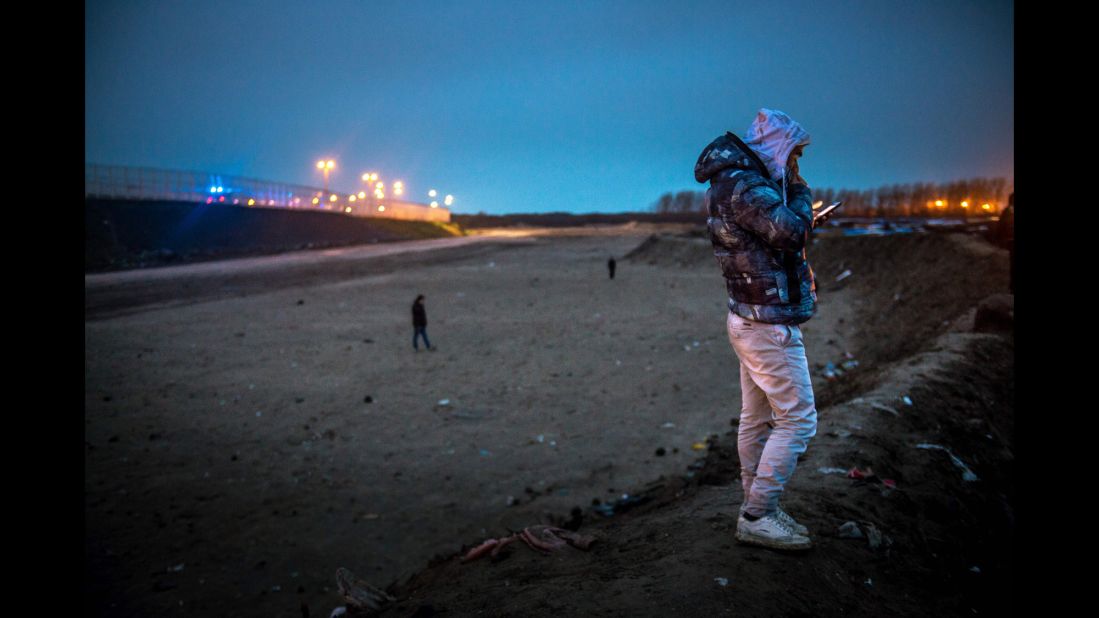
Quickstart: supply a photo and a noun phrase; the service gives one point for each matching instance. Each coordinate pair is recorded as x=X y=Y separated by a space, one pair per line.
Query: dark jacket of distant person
x=1005 y=237
x=759 y=241
x=1005 y=227
x=419 y=314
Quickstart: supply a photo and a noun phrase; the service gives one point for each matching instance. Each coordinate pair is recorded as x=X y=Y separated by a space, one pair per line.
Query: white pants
x=778 y=415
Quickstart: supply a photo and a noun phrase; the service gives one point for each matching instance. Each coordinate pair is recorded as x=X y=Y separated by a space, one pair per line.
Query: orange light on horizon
x=381 y=208
x=316 y=201
x=362 y=195
x=332 y=198
x=351 y=198
x=251 y=202
x=986 y=206
x=434 y=204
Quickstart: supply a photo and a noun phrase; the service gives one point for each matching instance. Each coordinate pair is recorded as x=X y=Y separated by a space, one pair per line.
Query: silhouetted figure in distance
x=1005 y=237
x=419 y=323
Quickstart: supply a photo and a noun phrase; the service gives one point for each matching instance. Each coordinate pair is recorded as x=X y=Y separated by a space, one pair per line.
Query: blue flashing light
x=221 y=189
x=213 y=189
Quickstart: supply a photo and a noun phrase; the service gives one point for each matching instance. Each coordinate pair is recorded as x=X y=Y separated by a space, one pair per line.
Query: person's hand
x=818 y=221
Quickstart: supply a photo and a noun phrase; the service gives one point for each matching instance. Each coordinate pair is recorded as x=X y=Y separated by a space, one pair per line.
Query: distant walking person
x=610 y=266
x=419 y=323
x=760 y=216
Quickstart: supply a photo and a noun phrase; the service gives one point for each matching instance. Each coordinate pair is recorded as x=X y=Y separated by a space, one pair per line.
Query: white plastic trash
x=967 y=474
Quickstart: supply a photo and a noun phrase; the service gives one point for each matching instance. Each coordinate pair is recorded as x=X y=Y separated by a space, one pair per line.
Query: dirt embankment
x=566 y=219
x=930 y=411
x=897 y=292
x=122 y=234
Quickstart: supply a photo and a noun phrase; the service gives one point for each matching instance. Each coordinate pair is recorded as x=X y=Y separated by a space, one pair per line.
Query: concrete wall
x=134 y=233
x=395 y=209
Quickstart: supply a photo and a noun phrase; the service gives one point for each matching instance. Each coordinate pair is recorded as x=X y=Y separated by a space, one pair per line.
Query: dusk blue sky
x=537 y=106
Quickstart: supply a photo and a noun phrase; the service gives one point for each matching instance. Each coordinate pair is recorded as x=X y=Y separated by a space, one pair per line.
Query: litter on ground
x=541 y=538
x=885 y=408
x=967 y=474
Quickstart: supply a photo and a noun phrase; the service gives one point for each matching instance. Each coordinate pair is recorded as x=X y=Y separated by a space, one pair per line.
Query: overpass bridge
x=143 y=183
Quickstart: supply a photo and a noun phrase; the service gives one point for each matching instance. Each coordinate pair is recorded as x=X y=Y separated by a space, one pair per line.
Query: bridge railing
x=143 y=183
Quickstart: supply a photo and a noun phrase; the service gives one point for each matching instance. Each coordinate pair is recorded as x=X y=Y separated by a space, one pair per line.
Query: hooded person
x=760 y=216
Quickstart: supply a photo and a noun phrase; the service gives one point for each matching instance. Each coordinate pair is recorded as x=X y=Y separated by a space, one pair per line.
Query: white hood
x=774 y=135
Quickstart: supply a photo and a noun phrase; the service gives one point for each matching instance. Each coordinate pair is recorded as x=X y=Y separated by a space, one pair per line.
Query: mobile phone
x=824 y=212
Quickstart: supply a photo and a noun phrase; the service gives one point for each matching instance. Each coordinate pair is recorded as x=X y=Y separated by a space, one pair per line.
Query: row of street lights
x=373 y=183
x=965 y=204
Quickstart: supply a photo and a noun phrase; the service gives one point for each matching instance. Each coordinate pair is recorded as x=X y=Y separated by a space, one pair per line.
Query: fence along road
x=122 y=182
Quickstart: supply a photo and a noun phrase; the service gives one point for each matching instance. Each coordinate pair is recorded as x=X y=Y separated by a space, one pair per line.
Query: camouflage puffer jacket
x=759 y=242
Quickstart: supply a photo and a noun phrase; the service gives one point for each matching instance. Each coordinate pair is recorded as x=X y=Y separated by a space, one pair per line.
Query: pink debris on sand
x=541 y=538
x=855 y=473
x=480 y=550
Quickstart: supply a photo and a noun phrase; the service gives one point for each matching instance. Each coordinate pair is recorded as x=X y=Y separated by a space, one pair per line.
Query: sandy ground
x=251 y=428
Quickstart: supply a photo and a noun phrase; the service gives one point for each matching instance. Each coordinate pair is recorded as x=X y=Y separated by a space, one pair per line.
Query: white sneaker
x=770 y=531
x=785 y=518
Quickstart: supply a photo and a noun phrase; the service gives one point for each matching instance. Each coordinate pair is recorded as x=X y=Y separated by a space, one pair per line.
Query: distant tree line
x=958 y=198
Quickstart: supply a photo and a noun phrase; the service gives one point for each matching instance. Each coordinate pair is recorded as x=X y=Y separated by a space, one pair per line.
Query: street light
x=326 y=166
x=449 y=200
